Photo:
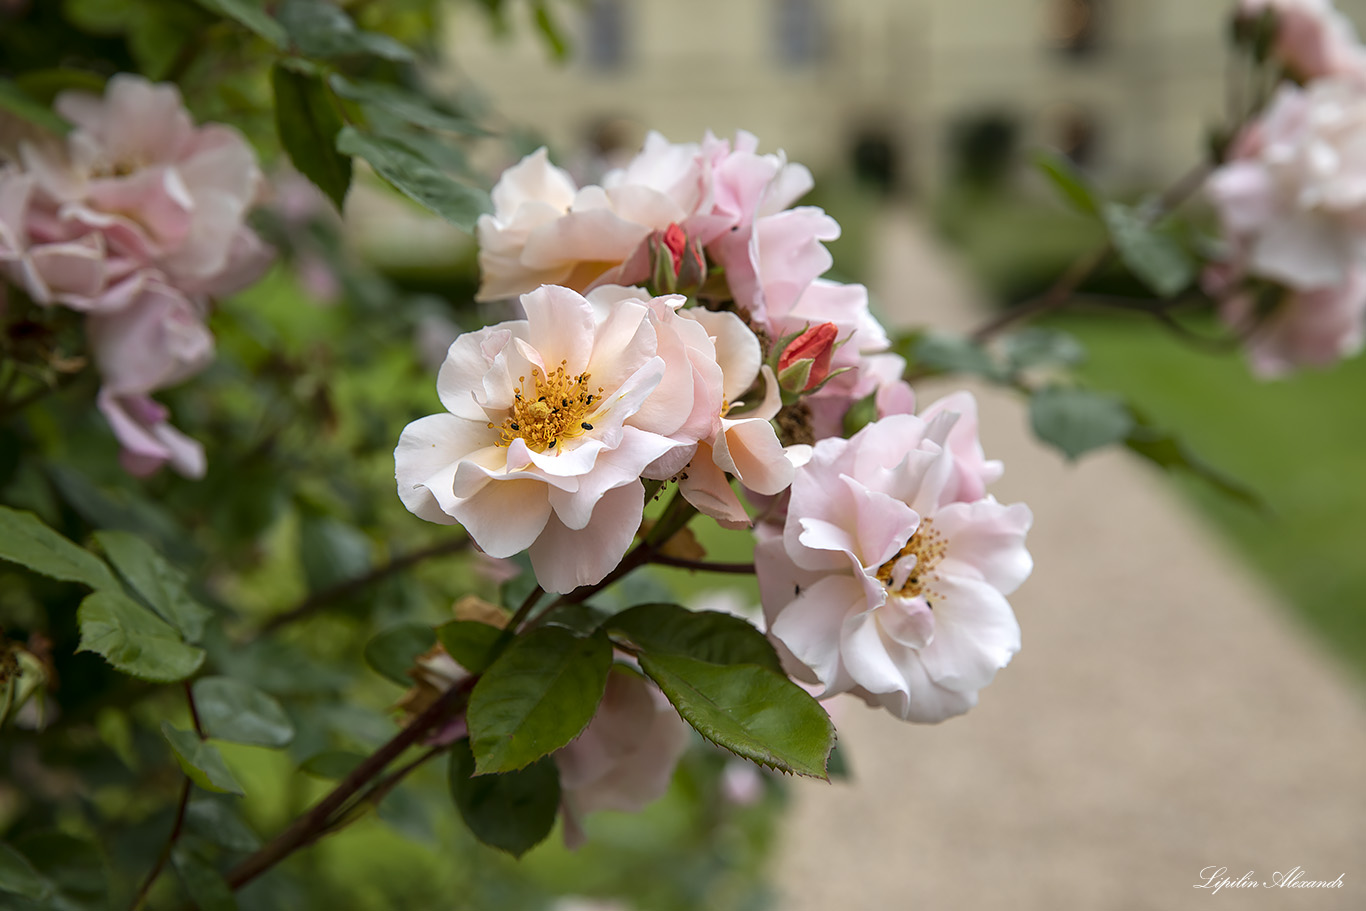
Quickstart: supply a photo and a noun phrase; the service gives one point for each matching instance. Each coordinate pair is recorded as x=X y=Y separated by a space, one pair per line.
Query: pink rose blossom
x=1313 y=40
x=147 y=437
x=692 y=387
x=154 y=342
x=774 y=267
x=1292 y=201
x=972 y=472
x=157 y=189
x=883 y=584
x=1307 y=328
x=550 y=423
x=545 y=230
x=626 y=756
x=742 y=783
x=879 y=375
x=741 y=441
x=137 y=218
x=1292 y=198
x=57 y=261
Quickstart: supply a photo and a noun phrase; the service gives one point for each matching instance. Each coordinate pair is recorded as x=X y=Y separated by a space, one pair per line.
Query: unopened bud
x=677 y=264
x=805 y=362
x=675 y=241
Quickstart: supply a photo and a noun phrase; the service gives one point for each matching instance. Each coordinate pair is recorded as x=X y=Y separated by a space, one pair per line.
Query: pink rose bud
x=817 y=345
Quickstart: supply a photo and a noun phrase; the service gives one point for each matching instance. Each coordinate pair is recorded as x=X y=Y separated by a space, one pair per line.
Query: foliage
x=107 y=581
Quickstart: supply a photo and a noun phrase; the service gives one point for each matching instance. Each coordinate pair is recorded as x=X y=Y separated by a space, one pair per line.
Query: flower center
x=117 y=167
x=555 y=407
x=910 y=577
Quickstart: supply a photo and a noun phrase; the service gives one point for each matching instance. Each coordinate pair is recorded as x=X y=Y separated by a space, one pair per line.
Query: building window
x=984 y=147
x=1074 y=27
x=605 y=35
x=799 y=32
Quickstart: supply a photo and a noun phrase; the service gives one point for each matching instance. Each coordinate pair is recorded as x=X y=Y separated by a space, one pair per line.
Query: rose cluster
x=1291 y=199
x=137 y=220
x=677 y=330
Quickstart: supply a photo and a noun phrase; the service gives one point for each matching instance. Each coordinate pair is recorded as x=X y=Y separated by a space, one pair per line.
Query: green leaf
x=551 y=33
x=393 y=651
x=116 y=732
x=711 y=636
x=250 y=14
x=332 y=551
x=1170 y=453
x=331 y=764
x=238 y=712
x=214 y=819
x=860 y=414
x=159 y=583
x=122 y=510
x=1040 y=347
x=156 y=35
x=435 y=150
x=838 y=766
x=22 y=105
x=201 y=761
x=516 y=590
x=1078 y=420
x=472 y=644
x=458 y=203
x=322 y=29
x=205 y=885
x=17 y=876
x=45 y=85
x=583 y=619
x=135 y=640
x=410 y=814
x=1154 y=256
x=25 y=540
x=511 y=811
x=751 y=711
x=539 y=695
x=1070 y=182
x=953 y=354
x=100 y=17
x=308 y=121
x=71 y=864
x=407 y=106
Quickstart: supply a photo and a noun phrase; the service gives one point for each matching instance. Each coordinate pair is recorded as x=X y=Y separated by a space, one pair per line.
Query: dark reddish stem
x=739 y=569
x=179 y=824
x=334 y=593
x=316 y=822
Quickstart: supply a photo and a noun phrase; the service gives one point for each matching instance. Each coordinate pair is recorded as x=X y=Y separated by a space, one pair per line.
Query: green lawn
x=1300 y=442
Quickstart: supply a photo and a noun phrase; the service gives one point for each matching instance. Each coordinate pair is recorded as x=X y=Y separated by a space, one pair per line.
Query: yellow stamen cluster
x=556 y=407
x=118 y=168
x=927 y=546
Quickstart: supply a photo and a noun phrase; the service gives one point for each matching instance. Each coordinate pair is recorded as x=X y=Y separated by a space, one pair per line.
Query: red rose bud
x=676 y=242
x=816 y=345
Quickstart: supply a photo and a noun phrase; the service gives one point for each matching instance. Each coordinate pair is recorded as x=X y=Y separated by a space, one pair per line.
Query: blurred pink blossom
x=1292 y=203
x=156 y=341
x=1313 y=39
x=626 y=756
x=159 y=191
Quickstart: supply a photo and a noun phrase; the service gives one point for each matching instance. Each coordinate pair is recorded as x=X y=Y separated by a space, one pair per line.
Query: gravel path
x=1165 y=715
